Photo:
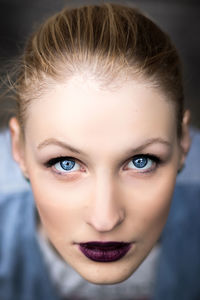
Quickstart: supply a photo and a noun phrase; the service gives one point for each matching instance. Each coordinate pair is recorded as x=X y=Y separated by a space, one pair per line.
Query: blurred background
x=180 y=18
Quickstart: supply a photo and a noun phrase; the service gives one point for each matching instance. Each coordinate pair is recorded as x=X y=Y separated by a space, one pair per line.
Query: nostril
x=105 y=223
x=105 y=209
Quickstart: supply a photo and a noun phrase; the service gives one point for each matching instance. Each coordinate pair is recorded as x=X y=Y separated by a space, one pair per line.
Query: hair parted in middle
x=105 y=42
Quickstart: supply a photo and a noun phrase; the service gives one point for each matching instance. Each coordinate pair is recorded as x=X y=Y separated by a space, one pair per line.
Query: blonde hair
x=108 y=40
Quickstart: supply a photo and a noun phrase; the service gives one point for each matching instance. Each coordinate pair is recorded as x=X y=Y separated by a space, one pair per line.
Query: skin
x=106 y=198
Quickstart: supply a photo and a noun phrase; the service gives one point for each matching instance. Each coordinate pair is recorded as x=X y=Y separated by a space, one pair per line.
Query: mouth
x=104 y=251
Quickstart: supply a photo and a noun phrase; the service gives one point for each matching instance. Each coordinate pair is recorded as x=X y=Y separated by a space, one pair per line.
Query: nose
x=105 y=211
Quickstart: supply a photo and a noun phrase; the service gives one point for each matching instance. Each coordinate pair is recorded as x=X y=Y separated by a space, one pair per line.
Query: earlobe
x=17 y=144
x=185 y=140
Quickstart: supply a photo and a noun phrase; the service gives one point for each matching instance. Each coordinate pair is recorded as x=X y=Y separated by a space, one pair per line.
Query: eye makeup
x=55 y=160
x=141 y=163
x=144 y=163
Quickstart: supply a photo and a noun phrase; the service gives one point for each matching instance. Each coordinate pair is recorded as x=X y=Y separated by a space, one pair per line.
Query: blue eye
x=142 y=163
x=64 y=164
x=139 y=163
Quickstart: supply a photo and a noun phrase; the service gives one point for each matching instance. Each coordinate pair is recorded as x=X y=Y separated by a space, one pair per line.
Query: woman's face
x=102 y=165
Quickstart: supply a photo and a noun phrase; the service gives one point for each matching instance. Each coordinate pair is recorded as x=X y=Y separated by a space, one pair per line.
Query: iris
x=140 y=162
x=67 y=164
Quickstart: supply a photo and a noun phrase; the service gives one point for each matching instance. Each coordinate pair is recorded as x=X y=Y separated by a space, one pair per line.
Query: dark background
x=181 y=19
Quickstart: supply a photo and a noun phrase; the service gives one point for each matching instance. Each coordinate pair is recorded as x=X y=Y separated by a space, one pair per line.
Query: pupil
x=140 y=162
x=67 y=164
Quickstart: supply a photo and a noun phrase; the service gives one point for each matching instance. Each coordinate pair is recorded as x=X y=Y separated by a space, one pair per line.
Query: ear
x=185 y=140
x=18 y=147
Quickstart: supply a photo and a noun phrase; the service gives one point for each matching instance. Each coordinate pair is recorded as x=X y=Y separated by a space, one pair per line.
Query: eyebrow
x=148 y=142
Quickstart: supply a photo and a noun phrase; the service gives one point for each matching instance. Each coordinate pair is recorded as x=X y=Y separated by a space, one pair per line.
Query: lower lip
x=104 y=252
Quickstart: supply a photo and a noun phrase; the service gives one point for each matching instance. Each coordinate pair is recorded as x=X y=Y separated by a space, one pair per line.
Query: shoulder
x=16 y=212
x=185 y=206
x=179 y=264
x=23 y=272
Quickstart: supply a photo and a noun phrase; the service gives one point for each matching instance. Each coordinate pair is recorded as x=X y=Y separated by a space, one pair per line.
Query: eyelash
x=156 y=161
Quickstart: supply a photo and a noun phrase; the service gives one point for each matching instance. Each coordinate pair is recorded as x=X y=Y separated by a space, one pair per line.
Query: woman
x=101 y=133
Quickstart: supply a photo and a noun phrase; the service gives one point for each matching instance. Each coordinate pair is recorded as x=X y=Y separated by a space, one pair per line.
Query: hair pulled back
x=108 y=40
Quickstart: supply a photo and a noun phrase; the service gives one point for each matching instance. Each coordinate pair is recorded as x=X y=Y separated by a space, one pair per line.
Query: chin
x=106 y=273
x=107 y=281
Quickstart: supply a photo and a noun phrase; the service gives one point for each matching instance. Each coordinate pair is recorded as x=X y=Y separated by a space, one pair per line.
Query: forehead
x=81 y=111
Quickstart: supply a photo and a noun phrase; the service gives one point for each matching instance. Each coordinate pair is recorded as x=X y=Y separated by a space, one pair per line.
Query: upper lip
x=104 y=245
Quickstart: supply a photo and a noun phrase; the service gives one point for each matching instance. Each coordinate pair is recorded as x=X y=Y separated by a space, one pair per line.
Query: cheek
x=59 y=208
x=150 y=206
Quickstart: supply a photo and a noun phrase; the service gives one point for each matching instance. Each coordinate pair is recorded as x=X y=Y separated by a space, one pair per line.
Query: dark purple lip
x=104 y=251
